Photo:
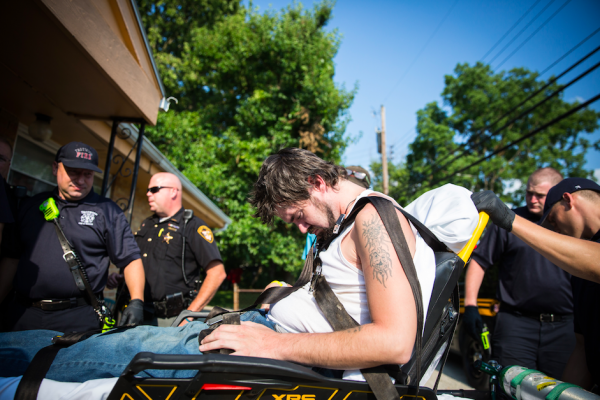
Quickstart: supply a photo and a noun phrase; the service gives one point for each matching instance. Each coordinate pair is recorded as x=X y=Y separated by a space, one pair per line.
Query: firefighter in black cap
x=47 y=293
x=530 y=330
x=572 y=209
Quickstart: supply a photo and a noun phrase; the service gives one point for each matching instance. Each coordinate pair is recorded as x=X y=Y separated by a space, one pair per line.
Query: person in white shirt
x=360 y=265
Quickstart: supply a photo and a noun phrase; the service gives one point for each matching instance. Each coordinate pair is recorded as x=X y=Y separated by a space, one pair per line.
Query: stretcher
x=223 y=377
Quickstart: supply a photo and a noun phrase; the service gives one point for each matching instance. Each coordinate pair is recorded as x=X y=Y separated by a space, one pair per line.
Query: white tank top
x=299 y=312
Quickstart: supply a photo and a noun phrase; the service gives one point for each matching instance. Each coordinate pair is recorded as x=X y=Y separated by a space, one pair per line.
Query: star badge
x=167 y=237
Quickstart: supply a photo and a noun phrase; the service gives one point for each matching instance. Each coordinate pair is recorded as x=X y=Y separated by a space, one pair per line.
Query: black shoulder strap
x=339 y=319
x=334 y=311
x=394 y=230
x=77 y=270
x=40 y=364
x=187 y=215
x=428 y=236
x=432 y=241
x=275 y=294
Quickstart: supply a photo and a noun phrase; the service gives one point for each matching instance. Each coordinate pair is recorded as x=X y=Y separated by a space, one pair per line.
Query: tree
x=477 y=102
x=397 y=178
x=248 y=84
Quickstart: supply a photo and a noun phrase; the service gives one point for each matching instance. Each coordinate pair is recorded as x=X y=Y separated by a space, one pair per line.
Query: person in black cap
x=530 y=330
x=47 y=296
x=359 y=175
x=573 y=209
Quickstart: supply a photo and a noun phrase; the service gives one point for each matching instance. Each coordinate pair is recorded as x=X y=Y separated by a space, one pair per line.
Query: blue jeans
x=106 y=355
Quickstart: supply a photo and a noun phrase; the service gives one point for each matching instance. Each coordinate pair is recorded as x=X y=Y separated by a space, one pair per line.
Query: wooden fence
x=236 y=294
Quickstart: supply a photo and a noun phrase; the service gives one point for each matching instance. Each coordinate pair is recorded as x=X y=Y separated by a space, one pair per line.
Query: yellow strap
x=465 y=253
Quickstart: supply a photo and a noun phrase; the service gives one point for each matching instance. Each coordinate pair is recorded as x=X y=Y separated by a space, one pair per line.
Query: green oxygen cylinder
x=522 y=383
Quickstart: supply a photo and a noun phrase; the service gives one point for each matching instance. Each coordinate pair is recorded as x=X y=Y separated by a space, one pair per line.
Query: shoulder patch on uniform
x=206 y=233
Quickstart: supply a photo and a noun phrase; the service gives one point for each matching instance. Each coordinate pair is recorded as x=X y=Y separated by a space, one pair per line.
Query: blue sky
x=389 y=48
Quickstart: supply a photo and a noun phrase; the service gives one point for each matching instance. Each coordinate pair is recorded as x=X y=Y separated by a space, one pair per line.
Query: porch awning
x=82 y=58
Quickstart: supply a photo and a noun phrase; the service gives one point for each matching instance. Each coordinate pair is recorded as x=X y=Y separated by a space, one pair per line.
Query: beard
x=325 y=233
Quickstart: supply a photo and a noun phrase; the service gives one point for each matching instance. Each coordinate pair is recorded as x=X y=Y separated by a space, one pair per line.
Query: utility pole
x=384 y=166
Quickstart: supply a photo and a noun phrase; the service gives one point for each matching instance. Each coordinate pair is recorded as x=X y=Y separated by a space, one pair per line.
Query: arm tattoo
x=379 y=257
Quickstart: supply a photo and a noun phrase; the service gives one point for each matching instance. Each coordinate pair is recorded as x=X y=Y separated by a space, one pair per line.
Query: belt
x=52 y=305
x=542 y=317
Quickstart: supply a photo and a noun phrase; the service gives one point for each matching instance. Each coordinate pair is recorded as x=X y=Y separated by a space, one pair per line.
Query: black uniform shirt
x=527 y=280
x=161 y=244
x=97 y=229
x=6 y=216
x=16 y=195
x=586 y=296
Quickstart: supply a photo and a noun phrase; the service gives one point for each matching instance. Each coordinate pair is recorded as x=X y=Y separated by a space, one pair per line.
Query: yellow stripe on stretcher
x=465 y=253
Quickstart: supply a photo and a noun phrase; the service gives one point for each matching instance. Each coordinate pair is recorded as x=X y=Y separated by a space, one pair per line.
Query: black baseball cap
x=78 y=155
x=364 y=182
x=569 y=185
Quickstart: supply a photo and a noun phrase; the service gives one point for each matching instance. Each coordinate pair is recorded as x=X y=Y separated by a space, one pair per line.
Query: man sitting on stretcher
x=360 y=265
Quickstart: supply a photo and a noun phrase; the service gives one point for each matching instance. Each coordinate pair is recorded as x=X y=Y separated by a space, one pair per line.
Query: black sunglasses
x=156 y=189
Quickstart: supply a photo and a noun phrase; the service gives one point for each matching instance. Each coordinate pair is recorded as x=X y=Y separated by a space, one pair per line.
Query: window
x=31 y=167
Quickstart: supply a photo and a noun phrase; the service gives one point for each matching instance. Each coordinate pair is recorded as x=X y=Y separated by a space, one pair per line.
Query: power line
x=527 y=112
x=524 y=137
x=510 y=30
x=422 y=50
x=533 y=34
x=531 y=96
x=521 y=31
x=569 y=52
x=505 y=47
x=404 y=141
x=405 y=137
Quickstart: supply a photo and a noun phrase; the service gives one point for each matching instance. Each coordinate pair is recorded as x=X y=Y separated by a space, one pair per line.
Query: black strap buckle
x=547 y=318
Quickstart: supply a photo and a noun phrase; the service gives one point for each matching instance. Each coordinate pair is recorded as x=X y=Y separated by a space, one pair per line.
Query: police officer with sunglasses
x=172 y=285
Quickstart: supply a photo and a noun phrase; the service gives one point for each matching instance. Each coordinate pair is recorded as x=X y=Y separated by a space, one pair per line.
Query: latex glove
x=113 y=280
x=499 y=213
x=133 y=313
x=472 y=322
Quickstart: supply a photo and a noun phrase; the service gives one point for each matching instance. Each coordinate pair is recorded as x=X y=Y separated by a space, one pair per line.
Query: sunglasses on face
x=156 y=189
x=357 y=175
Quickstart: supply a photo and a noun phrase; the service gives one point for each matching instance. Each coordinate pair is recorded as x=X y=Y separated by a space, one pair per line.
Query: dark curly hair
x=284 y=180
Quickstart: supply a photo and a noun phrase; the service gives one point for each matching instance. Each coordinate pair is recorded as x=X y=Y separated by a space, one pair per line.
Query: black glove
x=499 y=213
x=472 y=322
x=133 y=313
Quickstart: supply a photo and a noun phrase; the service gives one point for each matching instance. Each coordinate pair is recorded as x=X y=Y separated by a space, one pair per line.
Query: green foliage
x=475 y=98
x=248 y=84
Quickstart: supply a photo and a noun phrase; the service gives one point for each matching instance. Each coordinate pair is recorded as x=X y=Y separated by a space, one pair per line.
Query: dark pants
x=76 y=319
x=524 y=341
